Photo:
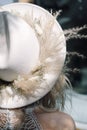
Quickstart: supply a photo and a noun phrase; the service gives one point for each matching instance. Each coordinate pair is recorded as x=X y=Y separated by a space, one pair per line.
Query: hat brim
x=56 y=60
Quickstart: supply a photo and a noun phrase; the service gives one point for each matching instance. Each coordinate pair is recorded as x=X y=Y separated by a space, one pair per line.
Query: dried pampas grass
x=74 y=33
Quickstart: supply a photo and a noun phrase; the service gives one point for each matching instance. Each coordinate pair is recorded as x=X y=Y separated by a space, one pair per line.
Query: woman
x=32 y=55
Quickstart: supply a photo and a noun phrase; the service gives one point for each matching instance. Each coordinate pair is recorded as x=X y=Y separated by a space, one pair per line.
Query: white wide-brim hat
x=32 y=54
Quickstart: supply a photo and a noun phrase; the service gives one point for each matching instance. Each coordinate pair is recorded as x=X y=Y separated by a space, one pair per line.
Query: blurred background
x=74 y=14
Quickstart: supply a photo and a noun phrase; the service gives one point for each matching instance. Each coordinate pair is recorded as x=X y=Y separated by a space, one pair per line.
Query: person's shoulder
x=64 y=120
x=56 y=120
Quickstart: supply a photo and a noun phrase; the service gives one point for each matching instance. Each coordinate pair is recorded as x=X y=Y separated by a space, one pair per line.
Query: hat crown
x=15 y=58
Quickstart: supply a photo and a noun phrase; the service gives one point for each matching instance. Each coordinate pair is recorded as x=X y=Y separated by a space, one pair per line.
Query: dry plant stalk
x=74 y=33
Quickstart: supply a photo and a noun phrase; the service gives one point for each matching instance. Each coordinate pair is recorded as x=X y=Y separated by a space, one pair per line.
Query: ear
x=4 y=40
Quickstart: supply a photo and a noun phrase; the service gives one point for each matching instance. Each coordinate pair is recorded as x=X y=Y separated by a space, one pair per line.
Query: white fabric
x=19 y=47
